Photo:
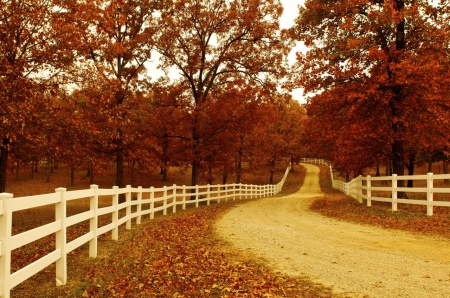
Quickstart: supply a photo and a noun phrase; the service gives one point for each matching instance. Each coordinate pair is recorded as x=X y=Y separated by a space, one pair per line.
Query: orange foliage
x=379 y=72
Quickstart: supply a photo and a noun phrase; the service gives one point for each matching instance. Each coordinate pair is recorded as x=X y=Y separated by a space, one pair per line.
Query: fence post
x=139 y=206
x=369 y=191
x=196 y=196
x=165 y=200
x=430 y=194
x=174 y=198
x=93 y=222
x=152 y=202
x=226 y=193
x=208 y=194
x=218 y=193
x=115 y=214
x=128 y=208
x=394 y=192
x=184 y=197
x=5 y=241
x=60 y=241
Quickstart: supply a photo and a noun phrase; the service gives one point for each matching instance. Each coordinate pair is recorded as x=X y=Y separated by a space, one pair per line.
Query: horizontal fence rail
x=138 y=202
x=386 y=188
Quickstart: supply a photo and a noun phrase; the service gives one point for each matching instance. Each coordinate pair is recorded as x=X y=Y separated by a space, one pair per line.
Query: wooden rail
x=135 y=207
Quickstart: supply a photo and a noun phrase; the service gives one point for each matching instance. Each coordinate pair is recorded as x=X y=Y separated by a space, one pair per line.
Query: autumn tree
x=212 y=43
x=379 y=71
x=166 y=126
x=276 y=136
x=116 y=45
x=36 y=42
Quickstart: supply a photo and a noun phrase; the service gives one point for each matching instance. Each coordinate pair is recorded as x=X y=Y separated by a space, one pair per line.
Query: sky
x=290 y=12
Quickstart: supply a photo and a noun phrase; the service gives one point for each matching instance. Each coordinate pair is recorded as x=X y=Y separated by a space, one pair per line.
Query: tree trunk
x=398 y=149
x=430 y=166
x=210 y=175
x=225 y=175
x=446 y=181
x=17 y=170
x=72 y=176
x=47 y=170
x=3 y=163
x=91 y=180
x=164 y=174
x=410 y=167
x=272 y=170
x=238 y=172
x=194 y=176
x=32 y=169
x=119 y=170
x=132 y=173
x=398 y=165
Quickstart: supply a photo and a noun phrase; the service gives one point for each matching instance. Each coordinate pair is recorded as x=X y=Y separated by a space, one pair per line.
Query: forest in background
x=76 y=87
x=378 y=70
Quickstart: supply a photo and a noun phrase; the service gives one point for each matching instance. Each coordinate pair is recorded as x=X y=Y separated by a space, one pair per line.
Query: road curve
x=355 y=260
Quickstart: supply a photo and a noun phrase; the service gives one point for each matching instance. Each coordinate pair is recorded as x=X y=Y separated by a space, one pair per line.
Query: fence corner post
x=369 y=191
x=430 y=194
x=61 y=236
x=5 y=241
x=93 y=222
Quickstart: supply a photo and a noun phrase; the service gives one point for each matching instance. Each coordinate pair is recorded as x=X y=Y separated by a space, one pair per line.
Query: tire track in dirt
x=355 y=260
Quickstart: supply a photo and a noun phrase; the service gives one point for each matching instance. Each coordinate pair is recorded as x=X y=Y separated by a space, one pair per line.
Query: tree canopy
x=75 y=85
x=379 y=72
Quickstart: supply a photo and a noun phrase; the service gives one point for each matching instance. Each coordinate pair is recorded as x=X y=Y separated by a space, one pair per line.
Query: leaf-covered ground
x=181 y=256
x=408 y=217
x=174 y=256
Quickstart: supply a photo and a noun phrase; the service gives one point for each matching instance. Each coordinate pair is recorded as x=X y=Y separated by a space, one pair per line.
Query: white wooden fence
x=159 y=199
x=385 y=188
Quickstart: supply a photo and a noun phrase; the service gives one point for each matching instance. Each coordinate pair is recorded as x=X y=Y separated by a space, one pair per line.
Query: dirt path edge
x=355 y=260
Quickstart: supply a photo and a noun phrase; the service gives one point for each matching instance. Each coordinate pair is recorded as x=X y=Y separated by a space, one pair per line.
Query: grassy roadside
x=411 y=218
x=180 y=255
x=173 y=256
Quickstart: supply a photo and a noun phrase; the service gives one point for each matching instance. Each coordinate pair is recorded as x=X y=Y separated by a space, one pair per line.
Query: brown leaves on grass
x=179 y=256
x=408 y=217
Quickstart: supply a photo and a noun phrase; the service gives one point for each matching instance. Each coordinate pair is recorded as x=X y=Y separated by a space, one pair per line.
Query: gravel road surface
x=355 y=260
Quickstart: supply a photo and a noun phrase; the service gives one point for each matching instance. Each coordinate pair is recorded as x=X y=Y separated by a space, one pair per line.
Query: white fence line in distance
x=386 y=189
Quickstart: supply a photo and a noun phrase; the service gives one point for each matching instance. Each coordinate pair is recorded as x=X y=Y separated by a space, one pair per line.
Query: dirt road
x=356 y=260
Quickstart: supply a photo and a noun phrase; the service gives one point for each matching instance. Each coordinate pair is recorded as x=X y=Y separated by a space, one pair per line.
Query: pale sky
x=290 y=12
